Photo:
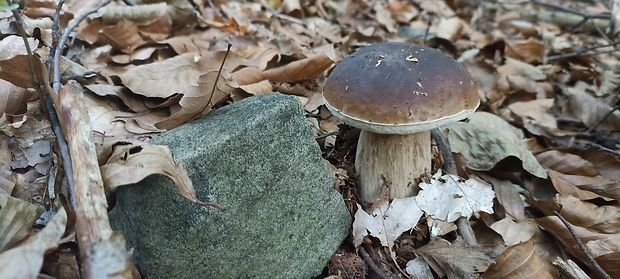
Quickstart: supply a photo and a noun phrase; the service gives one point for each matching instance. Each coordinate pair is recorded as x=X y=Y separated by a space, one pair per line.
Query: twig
x=55 y=36
x=602 y=148
x=22 y=33
x=63 y=40
x=583 y=248
x=216 y=10
x=598 y=122
x=462 y=223
x=219 y=73
x=585 y=51
x=371 y=264
x=569 y=10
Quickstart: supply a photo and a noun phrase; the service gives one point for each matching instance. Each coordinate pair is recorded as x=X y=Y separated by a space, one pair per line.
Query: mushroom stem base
x=392 y=164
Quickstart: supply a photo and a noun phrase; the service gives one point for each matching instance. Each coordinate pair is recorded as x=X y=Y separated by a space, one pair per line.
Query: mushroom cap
x=399 y=88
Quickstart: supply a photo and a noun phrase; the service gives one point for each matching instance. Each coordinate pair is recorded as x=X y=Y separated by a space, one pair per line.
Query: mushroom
x=396 y=93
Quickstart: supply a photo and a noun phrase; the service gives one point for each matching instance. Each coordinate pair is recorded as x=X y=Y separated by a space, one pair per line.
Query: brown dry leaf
x=528 y=51
x=518 y=262
x=261 y=87
x=508 y=196
x=597 y=184
x=516 y=67
x=308 y=68
x=536 y=119
x=566 y=163
x=14 y=99
x=123 y=36
x=14 y=63
x=25 y=260
x=607 y=163
x=199 y=100
x=132 y=101
x=248 y=75
x=566 y=188
x=604 y=248
x=166 y=78
x=448 y=28
x=514 y=232
x=598 y=218
x=130 y=162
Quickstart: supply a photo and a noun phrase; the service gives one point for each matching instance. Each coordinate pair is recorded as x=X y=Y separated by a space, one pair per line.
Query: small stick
x=371 y=264
x=462 y=223
x=598 y=122
x=583 y=248
x=63 y=40
x=584 y=52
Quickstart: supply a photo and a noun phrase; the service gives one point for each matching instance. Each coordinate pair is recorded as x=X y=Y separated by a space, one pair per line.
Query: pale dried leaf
x=387 y=221
x=448 y=197
x=16 y=219
x=25 y=260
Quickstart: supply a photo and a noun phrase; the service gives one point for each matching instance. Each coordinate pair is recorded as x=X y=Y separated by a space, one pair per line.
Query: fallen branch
x=103 y=253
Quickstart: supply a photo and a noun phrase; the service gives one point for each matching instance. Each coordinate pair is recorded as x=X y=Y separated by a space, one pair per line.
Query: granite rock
x=258 y=158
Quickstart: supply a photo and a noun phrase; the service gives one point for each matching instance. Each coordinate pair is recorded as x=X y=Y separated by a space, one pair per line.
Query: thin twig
x=583 y=248
x=569 y=10
x=585 y=51
x=63 y=40
x=22 y=33
x=55 y=36
x=598 y=122
x=602 y=148
x=219 y=73
x=462 y=223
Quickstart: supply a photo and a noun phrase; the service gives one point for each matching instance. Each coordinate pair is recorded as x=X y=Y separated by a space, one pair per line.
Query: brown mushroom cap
x=400 y=88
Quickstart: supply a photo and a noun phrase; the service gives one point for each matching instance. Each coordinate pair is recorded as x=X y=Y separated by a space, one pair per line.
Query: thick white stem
x=394 y=161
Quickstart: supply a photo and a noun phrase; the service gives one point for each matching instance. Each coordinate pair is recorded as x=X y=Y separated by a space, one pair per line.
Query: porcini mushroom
x=396 y=93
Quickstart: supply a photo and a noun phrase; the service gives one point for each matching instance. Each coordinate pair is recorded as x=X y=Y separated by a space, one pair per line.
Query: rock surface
x=258 y=158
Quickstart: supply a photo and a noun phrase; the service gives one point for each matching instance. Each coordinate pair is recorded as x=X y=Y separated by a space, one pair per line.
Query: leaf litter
x=546 y=138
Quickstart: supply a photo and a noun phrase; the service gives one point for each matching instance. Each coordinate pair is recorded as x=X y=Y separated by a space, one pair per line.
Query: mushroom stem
x=394 y=161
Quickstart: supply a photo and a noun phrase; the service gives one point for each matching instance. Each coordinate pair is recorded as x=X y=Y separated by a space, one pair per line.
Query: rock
x=258 y=158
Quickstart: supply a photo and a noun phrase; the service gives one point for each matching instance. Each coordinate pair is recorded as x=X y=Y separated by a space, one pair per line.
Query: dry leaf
x=448 y=197
x=308 y=68
x=518 y=262
x=25 y=260
x=129 y=163
x=387 y=221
